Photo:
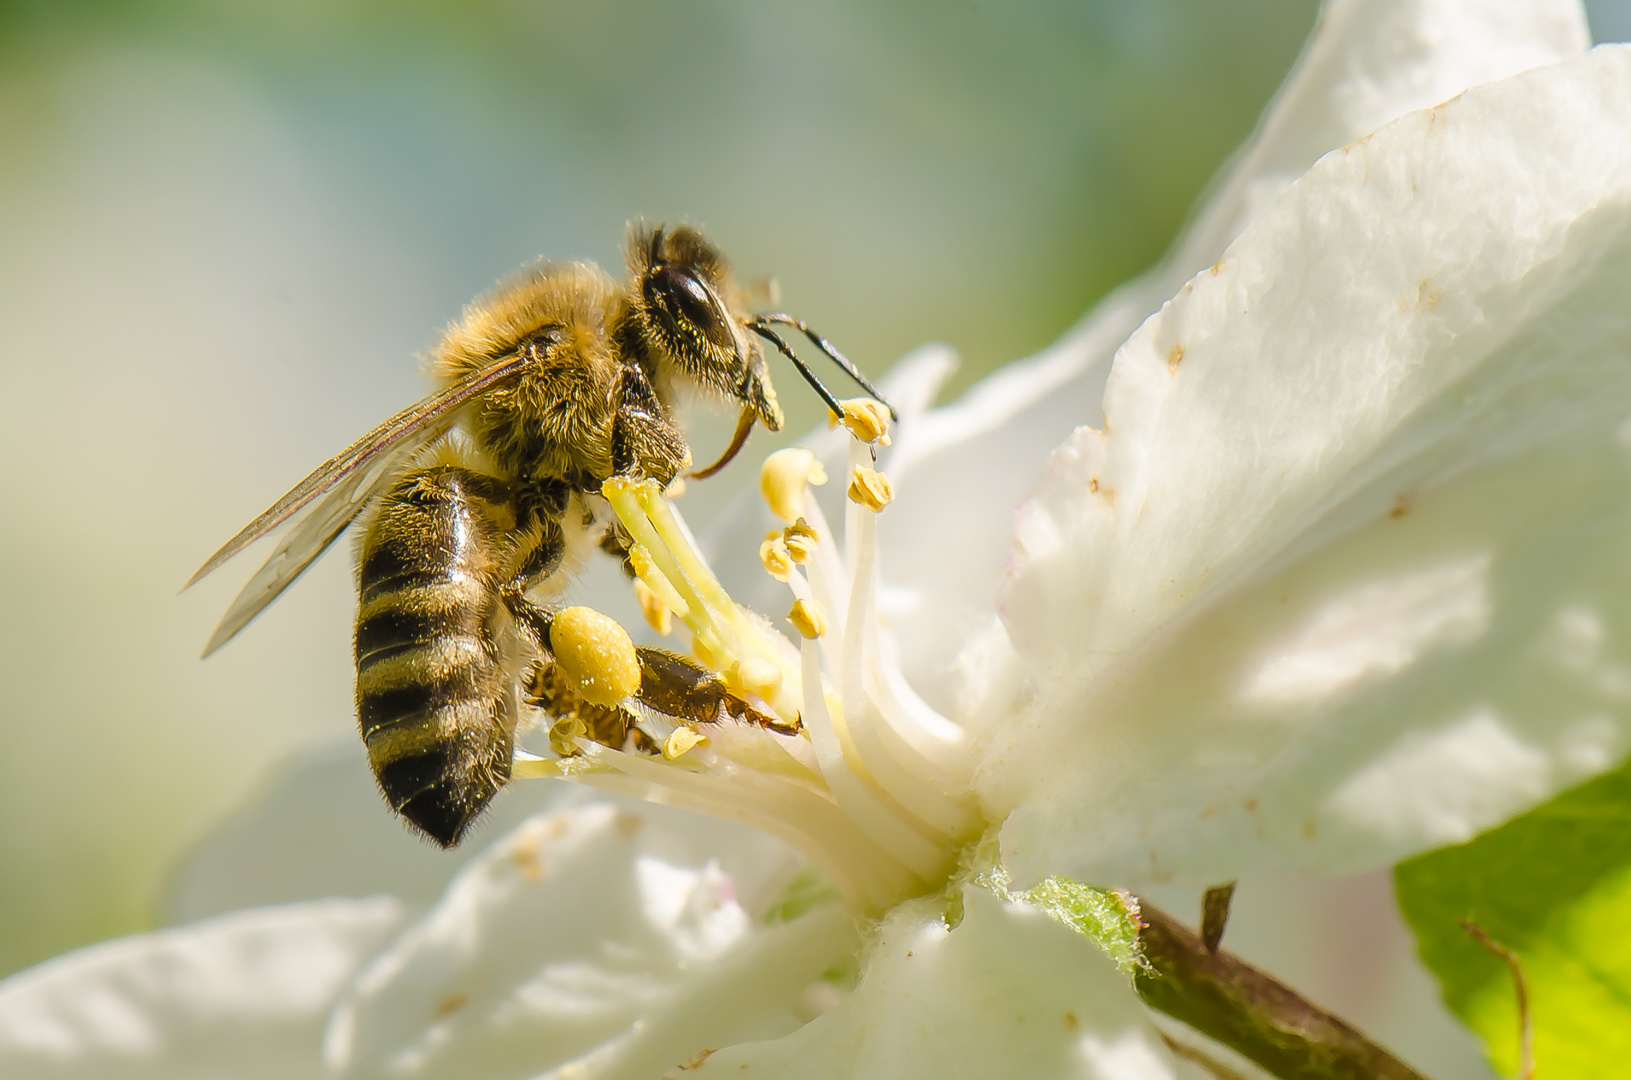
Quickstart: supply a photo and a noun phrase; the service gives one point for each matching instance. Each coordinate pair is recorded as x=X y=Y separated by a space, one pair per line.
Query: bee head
x=687 y=312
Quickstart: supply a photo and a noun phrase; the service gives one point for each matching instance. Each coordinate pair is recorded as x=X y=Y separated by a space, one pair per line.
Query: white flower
x=1337 y=578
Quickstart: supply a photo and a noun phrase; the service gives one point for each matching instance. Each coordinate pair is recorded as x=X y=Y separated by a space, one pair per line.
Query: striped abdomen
x=435 y=698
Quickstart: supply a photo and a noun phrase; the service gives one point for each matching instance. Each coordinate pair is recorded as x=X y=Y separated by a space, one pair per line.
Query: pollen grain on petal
x=449 y=1005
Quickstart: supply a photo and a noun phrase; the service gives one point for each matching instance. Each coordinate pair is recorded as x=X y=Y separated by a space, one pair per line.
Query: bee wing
x=317 y=529
x=351 y=478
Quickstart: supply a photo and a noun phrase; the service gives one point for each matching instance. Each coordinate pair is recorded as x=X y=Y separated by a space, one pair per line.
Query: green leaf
x=1554 y=886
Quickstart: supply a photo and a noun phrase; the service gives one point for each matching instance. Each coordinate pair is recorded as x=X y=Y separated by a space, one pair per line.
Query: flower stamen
x=659 y=616
x=874 y=787
x=870 y=488
x=808 y=618
x=866 y=419
x=783 y=478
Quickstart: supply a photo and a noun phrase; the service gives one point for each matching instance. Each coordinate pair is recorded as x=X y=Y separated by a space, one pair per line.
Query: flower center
x=874 y=789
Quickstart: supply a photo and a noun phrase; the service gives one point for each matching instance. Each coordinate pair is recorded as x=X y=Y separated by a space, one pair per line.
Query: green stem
x=1265 y=1021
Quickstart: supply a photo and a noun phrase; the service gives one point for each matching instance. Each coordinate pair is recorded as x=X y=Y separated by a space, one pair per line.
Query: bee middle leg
x=548 y=688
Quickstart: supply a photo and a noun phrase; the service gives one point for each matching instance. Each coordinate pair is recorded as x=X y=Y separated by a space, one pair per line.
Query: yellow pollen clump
x=801 y=541
x=595 y=653
x=808 y=618
x=681 y=740
x=866 y=419
x=782 y=479
x=870 y=488
x=777 y=560
x=658 y=614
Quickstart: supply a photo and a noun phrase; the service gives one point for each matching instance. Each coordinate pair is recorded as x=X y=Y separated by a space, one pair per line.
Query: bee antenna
x=657 y=245
x=804 y=369
x=832 y=354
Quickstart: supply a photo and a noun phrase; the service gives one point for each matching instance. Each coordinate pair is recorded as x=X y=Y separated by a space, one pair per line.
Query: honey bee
x=470 y=501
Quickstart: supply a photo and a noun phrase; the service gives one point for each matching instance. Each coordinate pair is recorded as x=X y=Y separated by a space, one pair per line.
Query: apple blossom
x=1324 y=587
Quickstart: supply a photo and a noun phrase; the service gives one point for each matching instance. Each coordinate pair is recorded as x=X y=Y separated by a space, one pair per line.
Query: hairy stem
x=1222 y=996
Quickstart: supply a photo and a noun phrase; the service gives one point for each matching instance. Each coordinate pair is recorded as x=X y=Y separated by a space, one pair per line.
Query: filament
x=874 y=789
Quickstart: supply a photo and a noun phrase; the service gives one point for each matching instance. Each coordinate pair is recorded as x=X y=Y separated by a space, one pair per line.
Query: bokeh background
x=226 y=229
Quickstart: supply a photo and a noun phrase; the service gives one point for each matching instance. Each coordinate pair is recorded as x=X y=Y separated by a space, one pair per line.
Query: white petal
x=600 y=941
x=244 y=995
x=1366 y=63
x=1372 y=462
x=960 y=471
x=319 y=828
x=1009 y=992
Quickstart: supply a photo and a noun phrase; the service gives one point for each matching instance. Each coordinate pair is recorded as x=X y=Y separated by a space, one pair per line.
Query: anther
x=870 y=488
x=801 y=541
x=759 y=676
x=866 y=419
x=808 y=618
x=595 y=653
x=659 y=616
x=782 y=481
x=564 y=733
x=681 y=740
x=777 y=559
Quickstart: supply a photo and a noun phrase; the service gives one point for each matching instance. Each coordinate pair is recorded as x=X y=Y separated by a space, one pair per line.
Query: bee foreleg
x=617 y=543
x=644 y=441
x=685 y=690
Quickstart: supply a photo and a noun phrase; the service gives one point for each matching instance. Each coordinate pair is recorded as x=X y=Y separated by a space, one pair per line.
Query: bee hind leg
x=676 y=686
x=670 y=684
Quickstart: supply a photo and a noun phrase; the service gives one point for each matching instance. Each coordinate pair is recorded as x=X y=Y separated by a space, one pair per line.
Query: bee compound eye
x=682 y=298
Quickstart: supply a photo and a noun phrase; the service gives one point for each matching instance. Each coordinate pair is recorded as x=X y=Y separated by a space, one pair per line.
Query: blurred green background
x=226 y=229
